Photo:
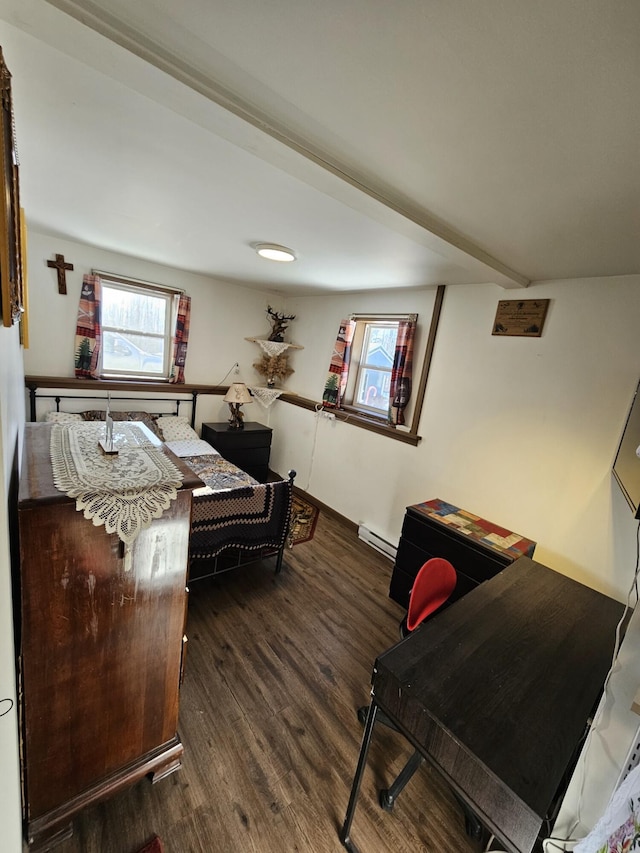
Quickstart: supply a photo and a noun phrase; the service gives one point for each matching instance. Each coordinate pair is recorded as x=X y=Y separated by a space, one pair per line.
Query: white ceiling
x=388 y=144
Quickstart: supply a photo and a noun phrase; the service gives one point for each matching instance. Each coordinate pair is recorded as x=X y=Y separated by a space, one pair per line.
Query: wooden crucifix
x=60 y=265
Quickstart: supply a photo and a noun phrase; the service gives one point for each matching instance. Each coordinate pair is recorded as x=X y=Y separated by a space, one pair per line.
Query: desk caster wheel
x=362 y=714
x=386 y=802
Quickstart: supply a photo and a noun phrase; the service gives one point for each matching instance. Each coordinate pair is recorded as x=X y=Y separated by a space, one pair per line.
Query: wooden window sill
x=356 y=419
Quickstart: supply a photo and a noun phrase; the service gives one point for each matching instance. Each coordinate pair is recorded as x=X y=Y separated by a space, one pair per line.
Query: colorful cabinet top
x=476 y=528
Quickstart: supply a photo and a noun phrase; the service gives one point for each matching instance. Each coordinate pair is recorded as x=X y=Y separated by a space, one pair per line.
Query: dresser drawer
x=409 y=556
x=410 y=559
x=402 y=582
x=480 y=564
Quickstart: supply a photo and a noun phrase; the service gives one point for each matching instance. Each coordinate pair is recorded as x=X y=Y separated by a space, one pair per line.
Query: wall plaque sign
x=524 y=317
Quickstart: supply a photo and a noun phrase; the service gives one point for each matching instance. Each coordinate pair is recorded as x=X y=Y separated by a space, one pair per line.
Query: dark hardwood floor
x=276 y=668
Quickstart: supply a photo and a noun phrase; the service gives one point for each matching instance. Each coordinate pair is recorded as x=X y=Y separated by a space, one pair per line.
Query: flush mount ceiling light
x=274 y=252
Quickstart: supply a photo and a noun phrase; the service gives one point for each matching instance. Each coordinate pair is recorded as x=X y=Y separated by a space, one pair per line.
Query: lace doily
x=124 y=492
x=264 y=395
x=272 y=348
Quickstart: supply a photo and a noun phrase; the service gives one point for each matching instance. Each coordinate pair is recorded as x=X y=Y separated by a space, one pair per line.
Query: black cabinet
x=477 y=548
x=249 y=448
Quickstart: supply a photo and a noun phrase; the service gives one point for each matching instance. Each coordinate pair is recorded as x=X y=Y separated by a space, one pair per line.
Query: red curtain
x=336 y=383
x=180 y=338
x=402 y=372
x=88 y=329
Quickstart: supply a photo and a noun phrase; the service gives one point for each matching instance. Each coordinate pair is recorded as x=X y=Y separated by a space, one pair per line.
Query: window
x=378 y=364
x=136 y=330
x=340 y=388
x=374 y=349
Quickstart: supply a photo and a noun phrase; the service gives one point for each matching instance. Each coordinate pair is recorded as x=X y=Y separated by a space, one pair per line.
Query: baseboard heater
x=377 y=542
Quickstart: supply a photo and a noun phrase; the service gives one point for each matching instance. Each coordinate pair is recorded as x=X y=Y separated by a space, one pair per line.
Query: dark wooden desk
x=496 y=692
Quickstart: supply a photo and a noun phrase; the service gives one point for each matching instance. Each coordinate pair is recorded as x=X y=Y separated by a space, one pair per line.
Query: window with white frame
x=370 y=378
x=136 y=330
x=373 y=351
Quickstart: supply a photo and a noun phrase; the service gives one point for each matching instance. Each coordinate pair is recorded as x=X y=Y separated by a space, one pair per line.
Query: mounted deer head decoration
x=279 y=322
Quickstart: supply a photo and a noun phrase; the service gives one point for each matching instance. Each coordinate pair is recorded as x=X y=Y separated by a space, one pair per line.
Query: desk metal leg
x=388 y=796
x=357 y=779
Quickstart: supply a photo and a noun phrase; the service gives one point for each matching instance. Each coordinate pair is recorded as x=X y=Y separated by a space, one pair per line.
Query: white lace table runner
x=123 y=491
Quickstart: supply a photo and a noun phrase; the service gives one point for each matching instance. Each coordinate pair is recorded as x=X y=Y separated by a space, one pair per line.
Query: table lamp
x=236 y=396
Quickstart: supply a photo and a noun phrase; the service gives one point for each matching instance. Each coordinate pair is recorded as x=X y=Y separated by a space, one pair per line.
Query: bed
x=236 y=520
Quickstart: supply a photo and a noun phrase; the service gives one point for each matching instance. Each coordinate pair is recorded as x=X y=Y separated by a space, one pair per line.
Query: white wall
x=222 y=315
x=522 y=431
x=325 y=454
x=11 y=432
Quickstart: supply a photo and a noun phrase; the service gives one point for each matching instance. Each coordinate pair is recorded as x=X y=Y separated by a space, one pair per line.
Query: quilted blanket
x=250 y=518
x=217 y=473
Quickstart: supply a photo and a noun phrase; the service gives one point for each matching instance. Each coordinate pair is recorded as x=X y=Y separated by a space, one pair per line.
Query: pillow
x=61 y=417
x=175 y=428
x=148 y=420
x=191 y=447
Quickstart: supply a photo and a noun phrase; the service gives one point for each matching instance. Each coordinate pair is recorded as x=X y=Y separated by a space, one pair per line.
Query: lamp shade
x=238 y=393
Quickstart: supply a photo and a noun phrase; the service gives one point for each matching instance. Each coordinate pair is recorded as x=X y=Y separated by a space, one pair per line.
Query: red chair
x=433 y=586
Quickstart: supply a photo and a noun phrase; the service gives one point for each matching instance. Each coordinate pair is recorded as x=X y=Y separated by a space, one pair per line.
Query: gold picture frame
x=24 y=319
x=10 y=244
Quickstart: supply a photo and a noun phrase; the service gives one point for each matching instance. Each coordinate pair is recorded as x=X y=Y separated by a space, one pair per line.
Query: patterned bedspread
x=218 y=473
x=235 y=511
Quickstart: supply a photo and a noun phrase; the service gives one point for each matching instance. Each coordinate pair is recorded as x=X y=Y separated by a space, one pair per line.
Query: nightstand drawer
x=237 y=439
x=258 y=472
x=250 y=439
x=250 y=457
x=249 y=448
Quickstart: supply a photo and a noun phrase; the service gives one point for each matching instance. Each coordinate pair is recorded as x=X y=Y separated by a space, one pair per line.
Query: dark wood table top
x=497 y=689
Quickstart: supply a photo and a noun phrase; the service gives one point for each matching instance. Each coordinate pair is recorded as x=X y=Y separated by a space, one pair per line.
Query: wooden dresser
x=477 y=548
x=100 y=636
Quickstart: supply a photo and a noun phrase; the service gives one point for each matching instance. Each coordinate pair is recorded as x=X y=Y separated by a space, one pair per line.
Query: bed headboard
x=76 y=395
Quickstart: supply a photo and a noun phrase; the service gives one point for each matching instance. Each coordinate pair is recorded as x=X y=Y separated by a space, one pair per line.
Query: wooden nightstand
x=248 y=448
